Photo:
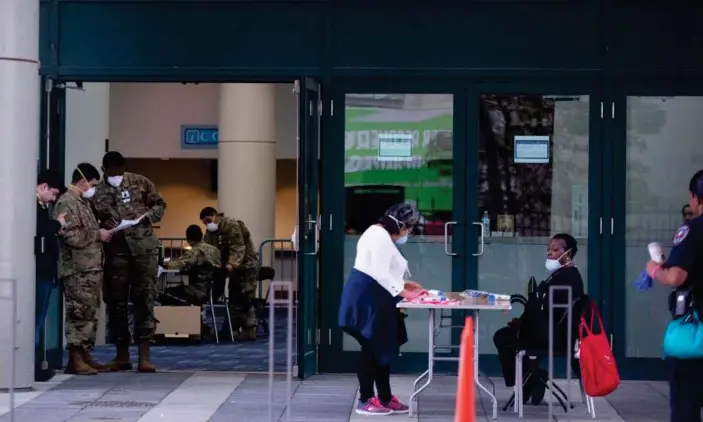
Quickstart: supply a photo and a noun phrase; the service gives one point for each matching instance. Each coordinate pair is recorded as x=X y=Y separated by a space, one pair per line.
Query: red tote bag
x=599 y=371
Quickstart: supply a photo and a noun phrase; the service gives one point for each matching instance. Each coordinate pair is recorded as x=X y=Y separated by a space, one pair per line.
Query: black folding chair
x=261 y=304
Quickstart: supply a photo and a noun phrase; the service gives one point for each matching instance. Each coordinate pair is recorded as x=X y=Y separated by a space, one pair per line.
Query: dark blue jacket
x=368 y=313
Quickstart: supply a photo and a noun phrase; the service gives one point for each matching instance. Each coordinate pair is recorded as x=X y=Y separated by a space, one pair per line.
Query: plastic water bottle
x=486 y=221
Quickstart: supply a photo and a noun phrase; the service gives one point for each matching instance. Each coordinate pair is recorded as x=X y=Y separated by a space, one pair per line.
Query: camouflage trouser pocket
x=248 y=288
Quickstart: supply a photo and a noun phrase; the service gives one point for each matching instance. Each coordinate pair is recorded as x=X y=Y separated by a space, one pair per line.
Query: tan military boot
x=76 y=364
x=121 y=362
x=88 y=359
x=247 y=334
x=145 y=364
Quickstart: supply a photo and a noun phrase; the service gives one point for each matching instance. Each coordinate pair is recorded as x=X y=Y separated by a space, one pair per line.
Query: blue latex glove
x=643 y=282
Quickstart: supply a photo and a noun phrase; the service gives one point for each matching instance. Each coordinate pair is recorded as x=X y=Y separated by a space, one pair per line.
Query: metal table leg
x=477 y=378
x=430 y=368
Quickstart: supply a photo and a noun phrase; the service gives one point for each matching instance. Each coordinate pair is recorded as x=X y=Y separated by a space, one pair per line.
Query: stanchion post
x=569 y=353
x=465 y=399
x=8 y=296
x=288 y=302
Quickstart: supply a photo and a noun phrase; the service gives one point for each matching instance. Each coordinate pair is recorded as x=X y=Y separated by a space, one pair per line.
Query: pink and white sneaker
x=396 y=406
x=372 y=407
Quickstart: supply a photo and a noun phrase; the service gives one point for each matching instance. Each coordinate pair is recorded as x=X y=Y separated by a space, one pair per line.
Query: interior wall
x=87 y=125
x=146 y=118
x=187 y=188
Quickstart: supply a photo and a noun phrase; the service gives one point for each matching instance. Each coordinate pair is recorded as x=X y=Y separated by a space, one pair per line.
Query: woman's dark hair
x=399 y=216
x=695 y=186
x=389 y=224
x=571 y=243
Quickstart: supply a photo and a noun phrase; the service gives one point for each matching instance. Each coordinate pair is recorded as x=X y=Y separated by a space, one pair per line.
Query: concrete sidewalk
x=229 y=397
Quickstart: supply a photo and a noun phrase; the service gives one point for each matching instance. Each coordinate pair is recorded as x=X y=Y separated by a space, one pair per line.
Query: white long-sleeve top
x=378 y=257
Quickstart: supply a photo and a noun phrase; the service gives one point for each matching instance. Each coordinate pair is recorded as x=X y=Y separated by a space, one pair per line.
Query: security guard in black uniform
x=683 y=271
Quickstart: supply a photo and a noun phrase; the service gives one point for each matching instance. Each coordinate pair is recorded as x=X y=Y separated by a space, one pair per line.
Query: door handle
x=483 y=236
x=318 y=224
x=446 y=237
x=312 y=232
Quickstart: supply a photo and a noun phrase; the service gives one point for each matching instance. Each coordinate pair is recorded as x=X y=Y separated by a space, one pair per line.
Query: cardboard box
x=177 y=321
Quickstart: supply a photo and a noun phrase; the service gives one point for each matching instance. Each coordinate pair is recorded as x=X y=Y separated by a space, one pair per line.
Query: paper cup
x=656 y=253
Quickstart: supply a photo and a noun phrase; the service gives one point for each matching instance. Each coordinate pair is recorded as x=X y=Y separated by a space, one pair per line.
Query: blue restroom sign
x=199 y=136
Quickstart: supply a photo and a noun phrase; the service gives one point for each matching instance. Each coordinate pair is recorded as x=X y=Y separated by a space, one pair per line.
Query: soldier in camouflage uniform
x=81 y=267
x=240 y=260
x=201 y=262
x=131 y=261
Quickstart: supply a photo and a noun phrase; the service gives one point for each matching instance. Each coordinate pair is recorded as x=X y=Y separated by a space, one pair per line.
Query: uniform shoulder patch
x=681 y=234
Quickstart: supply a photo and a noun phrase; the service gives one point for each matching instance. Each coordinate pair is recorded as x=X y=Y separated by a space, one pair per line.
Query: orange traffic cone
x=465 y=402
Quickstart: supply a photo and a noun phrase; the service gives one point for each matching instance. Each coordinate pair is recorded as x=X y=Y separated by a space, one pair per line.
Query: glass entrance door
x=533 y=149
x=657 y=152
x=399 y=146
x=49 y=297
x=308 y=92
x=524 y=158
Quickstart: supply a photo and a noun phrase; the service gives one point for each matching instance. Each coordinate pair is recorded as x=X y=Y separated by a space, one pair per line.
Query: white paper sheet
x=124 y=224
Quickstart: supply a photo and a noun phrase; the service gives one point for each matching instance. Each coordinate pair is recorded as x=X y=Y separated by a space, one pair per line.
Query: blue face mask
x=402 y=240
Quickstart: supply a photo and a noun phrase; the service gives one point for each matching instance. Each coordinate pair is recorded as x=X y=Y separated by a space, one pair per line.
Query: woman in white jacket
x=368 y=307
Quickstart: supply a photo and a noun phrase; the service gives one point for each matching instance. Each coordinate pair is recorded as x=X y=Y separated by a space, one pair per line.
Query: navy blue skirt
x=368 y=313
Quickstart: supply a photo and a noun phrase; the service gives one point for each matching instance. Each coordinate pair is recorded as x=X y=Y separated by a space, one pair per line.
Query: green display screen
x=427 y=175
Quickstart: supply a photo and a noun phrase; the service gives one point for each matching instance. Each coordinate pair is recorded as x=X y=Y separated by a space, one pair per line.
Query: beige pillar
x=247 y=157
x=19 y=120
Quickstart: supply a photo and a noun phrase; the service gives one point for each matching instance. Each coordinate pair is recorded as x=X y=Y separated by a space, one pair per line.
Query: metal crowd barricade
x=280 y=255
x=173 y=247
x=8 y=293
x=569 y=352
x=288 y=303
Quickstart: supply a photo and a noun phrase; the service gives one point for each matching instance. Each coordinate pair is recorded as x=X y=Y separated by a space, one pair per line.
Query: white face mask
x=115 y=181
x=402 y=240
x=89 y=193
x=552 y=265
x=211 y=227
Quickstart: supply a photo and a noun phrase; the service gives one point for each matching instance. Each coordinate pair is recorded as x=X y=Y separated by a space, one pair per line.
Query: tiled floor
x=228 y=397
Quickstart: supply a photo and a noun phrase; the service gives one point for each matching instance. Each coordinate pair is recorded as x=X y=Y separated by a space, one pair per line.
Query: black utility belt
x=680 y=302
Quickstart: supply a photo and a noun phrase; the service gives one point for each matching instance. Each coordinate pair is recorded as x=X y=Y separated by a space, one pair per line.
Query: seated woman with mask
x=561 y=251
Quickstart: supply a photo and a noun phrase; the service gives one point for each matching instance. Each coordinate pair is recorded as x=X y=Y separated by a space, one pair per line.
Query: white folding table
x=469 y=304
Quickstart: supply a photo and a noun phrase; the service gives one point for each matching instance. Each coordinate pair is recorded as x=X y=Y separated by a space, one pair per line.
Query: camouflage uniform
x=233 y=240
x=131 y=262
x=201 y=263
x=81 y=268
